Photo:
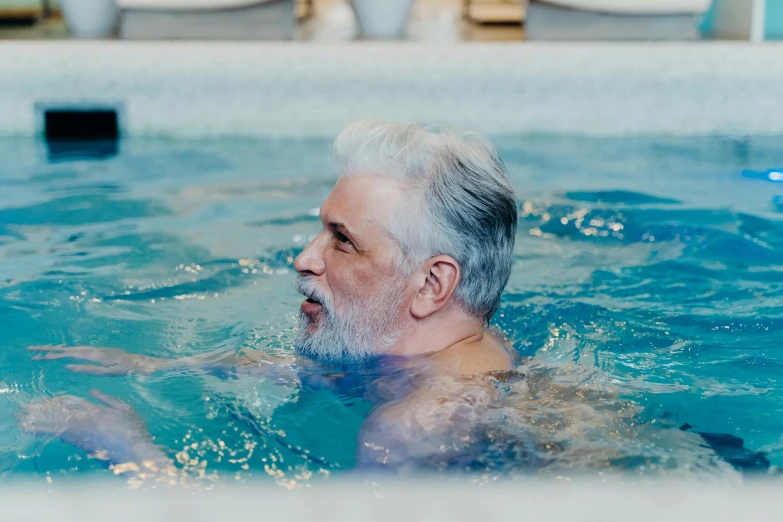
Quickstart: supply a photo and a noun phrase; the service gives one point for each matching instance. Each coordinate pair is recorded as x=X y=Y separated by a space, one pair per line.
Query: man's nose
x=311 y=260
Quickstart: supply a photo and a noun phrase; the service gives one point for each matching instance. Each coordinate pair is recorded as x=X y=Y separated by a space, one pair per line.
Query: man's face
x=355 y=292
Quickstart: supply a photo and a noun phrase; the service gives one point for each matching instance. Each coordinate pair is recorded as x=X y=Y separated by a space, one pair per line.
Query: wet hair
x=460 y=202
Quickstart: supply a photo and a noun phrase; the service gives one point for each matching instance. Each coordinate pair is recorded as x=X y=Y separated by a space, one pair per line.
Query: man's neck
x=439 y=332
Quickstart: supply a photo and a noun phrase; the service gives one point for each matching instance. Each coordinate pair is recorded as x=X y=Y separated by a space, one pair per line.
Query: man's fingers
x=64 y=348
x=97 y=370
x=110 y=401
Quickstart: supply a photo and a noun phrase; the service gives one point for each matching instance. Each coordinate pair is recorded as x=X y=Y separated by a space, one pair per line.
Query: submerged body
x=447 y=411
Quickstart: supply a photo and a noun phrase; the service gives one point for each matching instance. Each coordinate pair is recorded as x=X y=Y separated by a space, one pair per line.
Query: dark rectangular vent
x=18 y=21
x=87 y=124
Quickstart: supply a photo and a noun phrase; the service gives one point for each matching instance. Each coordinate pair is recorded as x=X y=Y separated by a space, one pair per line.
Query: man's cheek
x=359 y=289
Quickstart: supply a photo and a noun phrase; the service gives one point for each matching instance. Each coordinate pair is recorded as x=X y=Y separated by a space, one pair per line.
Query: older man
x=414 y=254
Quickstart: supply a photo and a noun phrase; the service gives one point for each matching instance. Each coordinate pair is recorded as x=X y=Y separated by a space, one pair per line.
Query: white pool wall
x=402 y=502
x=205 y=90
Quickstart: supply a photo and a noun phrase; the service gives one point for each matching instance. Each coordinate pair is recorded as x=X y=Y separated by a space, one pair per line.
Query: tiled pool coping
x=300 y=90
x=431 y=502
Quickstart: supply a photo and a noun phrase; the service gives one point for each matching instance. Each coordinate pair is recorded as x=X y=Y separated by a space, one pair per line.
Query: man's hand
x=113 y=432
x=110 y=361
x=113 y=361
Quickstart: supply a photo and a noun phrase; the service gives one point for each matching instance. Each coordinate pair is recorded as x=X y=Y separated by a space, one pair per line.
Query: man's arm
x=111 y=432
x=114 y=361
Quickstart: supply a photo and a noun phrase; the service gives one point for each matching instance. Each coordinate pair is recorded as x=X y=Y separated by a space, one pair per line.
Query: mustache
x=307 y=286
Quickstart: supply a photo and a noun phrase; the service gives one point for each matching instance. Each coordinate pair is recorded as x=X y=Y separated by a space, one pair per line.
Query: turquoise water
x=648 y=265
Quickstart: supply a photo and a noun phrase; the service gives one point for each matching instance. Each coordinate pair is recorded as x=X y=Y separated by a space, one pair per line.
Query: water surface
x=650 y=267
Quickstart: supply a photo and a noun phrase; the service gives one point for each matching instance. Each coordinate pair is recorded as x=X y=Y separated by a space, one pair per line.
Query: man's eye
x=342 y=238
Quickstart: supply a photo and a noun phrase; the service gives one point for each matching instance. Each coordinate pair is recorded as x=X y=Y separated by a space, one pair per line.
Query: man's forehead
x=357 y=199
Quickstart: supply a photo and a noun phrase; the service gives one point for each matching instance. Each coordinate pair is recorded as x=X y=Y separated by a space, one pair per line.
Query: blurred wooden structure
x=494 y=11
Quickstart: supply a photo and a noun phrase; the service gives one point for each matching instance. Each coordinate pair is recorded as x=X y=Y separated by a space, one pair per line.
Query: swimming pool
x=648 y=265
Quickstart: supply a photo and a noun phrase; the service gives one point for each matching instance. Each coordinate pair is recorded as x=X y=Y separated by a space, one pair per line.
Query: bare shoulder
x=452 y=378
x=489 y=354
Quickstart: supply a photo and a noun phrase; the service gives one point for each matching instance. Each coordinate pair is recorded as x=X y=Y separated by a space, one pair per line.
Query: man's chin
x=308 y=331
x=319 y=343
x=323 y=336
x=309 y=324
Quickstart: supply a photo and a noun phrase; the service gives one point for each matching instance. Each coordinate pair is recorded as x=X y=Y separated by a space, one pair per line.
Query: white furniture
x=207 y=19
x=635 y=7
x=90 y=18
x=382 y=19
x=615 y=19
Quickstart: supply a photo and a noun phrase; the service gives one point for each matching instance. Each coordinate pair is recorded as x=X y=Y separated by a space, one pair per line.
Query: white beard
x=364 y=330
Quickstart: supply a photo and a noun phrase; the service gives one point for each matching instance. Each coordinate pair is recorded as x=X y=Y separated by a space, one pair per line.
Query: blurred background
x=434 y=20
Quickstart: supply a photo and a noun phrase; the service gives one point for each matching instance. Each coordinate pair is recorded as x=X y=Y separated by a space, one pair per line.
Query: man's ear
x=441 y=276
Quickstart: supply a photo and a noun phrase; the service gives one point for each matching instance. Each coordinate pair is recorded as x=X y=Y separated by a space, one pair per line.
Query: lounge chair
x=207 y=19
x=614 y=19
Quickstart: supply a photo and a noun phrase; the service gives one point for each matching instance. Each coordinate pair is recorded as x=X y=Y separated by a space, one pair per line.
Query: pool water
x=648 y=266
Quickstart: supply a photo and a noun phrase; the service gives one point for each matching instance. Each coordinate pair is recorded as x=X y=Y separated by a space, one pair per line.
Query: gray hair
x=460 y=204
